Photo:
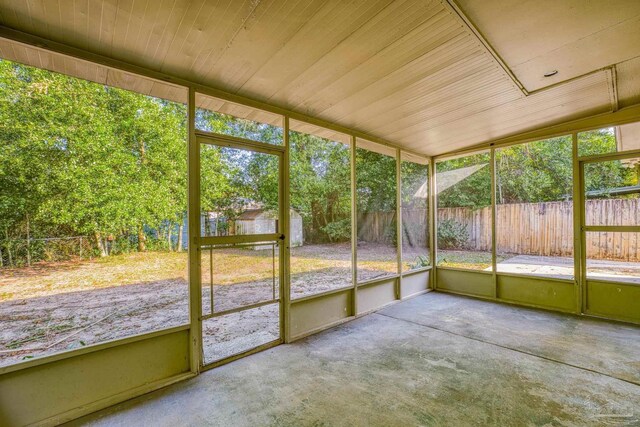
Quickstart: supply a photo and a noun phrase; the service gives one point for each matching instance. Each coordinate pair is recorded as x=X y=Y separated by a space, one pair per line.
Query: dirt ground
x=59 y=306
x=54 y=307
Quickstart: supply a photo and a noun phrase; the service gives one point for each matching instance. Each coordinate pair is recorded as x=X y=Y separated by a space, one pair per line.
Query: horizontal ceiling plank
x=436 y=70
x=589 y=96
x=476 y=68
x=395 y=59
x=397 y=19
x=333 y=23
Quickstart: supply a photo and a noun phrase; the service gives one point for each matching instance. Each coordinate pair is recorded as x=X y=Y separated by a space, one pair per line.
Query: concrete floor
x=436 y=359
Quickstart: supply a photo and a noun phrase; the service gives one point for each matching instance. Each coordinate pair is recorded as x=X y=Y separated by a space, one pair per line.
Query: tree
x=82 y=158
x=320 y=187
x=473 y=191
x=540 y=171
x=375 y=181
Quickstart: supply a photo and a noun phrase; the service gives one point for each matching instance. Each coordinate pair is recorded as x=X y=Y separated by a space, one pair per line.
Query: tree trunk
x=100 y=244
x=141 y=240
x=180 y=231
x=28 y=243
x=9 y=254
x=169 y=243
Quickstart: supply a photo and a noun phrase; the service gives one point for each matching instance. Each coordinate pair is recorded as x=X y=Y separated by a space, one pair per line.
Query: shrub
x=420 y=261
x=452 y=234
x=338 y=231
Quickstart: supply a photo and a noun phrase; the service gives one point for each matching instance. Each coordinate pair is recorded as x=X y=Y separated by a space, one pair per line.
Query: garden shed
x=447 y=192
x=264 y=221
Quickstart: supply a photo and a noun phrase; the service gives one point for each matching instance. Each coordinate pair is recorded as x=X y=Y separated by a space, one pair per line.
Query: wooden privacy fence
x=547 y=228
x=376 y=226
x=380 y=227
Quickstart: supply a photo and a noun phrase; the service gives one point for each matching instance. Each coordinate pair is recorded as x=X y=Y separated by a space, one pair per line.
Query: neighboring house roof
x=633 y=189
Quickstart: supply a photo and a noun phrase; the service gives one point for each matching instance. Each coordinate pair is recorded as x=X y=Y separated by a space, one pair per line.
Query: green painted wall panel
x=51 y=391
x=310 y=315
x=414 y=283
x=374 y=296
x=466 y=282
x=613 y=300
x=538 y=292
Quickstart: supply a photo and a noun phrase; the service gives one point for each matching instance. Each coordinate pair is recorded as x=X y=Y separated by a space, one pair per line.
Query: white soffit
x=86 y=70
x=573 y=37
x=407 y=71
x=628 y=137
x=628 y=82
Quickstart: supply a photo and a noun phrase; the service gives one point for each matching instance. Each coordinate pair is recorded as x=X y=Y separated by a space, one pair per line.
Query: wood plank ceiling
x=413 y=72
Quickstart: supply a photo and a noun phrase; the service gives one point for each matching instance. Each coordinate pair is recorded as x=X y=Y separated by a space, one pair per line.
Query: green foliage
x=605 y=176
x=414 y=176
x=540 y=171
x=420 y=262
x=599 y=141
x=81 y=158
x=321 y=187
x=375 y=182
x=231 y=178
x=338 y=231
x=535 y=172
x=452 y=234
x=212 y=121
x=473 y=191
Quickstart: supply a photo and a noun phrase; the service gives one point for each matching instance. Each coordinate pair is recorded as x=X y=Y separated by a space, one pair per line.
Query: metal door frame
x=580 y=200
x=199 y=242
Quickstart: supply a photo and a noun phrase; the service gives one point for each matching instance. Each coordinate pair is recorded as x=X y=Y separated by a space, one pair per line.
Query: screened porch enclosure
x=186 y=184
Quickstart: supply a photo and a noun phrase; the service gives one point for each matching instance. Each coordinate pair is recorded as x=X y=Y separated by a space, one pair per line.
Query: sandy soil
x=54 y=307
x=241 y=331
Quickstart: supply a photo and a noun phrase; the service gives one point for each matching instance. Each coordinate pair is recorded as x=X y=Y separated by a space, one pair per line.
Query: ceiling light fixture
x=551 y=73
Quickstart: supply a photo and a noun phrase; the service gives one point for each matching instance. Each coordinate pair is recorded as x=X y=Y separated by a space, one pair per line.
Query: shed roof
x=255 y=214
x=261 y=213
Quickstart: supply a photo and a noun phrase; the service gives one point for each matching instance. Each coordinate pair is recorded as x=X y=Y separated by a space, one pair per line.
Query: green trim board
x=319 y=313
x=30 y=363
x=610 y=300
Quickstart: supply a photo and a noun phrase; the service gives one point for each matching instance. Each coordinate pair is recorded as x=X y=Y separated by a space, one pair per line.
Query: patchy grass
x=472 y=260
x=71 y=276
x=229 y=266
